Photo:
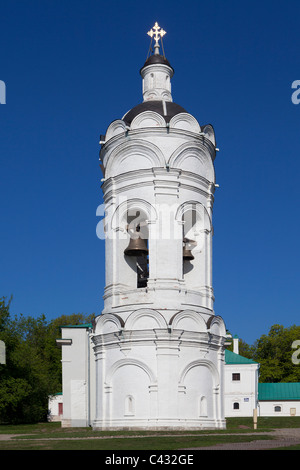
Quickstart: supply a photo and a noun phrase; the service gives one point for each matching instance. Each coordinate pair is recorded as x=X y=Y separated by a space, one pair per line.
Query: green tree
x=274 y=353
x=33 y=363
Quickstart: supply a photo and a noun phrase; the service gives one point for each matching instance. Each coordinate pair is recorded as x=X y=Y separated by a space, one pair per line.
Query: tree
x=33 y=363
x=274 y=353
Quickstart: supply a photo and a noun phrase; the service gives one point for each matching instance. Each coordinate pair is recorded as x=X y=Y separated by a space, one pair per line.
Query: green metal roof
x=233 y=358
x=279 y=391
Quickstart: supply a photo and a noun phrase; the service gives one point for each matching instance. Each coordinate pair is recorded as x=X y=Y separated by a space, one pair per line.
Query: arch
x=115 y=128
x=194 y=158
x=209 y=133
x=197 y=363
x=108 y=323
x=135 y=204
x=186 y=122
x=196 y=222
x=188 y=320
x=148 y=119
x=133 y=155
x=145 y=318
x=199 y=208
x=132 y=362
x=216 y=325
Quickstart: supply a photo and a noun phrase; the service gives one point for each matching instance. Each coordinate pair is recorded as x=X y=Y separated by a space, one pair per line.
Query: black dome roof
x=157 y=59
x=157 y=106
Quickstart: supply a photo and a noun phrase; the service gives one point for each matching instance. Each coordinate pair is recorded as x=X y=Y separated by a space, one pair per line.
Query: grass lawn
x=57 y=438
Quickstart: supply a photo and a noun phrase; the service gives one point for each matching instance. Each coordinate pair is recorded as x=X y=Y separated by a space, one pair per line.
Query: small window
x=236 y=406
x=203 y=406
x=236 y=376
x=277 y=409
x=129 y=405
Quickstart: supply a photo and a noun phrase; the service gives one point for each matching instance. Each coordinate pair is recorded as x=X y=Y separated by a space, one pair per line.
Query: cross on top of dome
x=157 y=32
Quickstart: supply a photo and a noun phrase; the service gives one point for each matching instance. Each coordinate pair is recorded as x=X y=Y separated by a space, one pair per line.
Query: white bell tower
x=159 y=346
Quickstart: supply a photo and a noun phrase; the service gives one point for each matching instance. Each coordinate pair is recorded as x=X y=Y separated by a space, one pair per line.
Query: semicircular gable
x=216 y=325
x=132 y=156
x=148 y=119
x=145 y=319
x=193 y=158
x=209 y=133
x=188 y=320
x=108 y=323
x=115 y=128
x=185 y=121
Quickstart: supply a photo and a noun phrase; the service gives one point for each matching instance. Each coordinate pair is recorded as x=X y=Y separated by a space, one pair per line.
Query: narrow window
x=129 y=405
x=236 y=406
x=203 y=406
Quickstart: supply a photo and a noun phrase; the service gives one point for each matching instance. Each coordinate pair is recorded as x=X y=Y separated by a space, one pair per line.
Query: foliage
x=33 y=364
x=274 y=354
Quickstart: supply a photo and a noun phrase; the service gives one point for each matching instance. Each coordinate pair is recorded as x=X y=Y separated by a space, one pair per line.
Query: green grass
x=146 y=443
x=61 y=438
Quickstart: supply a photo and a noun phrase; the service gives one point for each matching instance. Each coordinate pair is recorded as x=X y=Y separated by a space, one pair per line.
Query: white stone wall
x=78 y=364
x=158 y=377
x=287 y=408
x=243 y=391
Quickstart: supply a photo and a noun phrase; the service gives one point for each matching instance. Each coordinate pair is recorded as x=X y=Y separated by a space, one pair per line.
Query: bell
x=187 y=254
x=136 y=247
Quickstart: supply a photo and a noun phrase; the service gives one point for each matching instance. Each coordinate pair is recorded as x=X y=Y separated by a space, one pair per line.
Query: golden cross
x=156 y=33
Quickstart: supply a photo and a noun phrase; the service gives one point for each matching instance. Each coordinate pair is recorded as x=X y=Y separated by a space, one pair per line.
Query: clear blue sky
x=72 y=67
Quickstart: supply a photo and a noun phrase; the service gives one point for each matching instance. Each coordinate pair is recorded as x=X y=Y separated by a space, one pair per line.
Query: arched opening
x=189 y=219
x=137 y=250
x=129 y=405
x=203 y=406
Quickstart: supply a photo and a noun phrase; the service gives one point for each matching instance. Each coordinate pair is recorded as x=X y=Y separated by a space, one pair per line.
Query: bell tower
x=159 y=347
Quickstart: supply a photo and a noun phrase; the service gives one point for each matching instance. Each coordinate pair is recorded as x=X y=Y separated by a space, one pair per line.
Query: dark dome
x=156 y=59
x=157 y=106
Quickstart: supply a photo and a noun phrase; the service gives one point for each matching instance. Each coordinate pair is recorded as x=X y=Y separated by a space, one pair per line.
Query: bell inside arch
x=187 y=249
x=137 y=245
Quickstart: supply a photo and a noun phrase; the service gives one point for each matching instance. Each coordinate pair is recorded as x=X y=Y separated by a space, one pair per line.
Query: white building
x=279 y=399
x=156 y=355
x=154 y=358
x=159 y=347
x=242 y=390
x=241 y=383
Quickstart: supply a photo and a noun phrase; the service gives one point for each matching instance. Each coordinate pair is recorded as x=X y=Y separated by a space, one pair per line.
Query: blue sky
x=70 y=68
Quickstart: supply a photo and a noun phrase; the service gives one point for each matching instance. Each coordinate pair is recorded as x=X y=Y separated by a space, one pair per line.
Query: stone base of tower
x=163 y=425
x=166 y=377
